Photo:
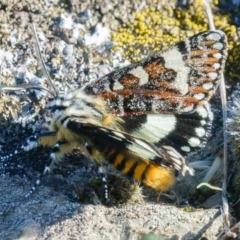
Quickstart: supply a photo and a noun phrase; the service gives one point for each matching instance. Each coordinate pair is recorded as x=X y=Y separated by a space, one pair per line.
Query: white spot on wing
x=186 y=148
x=216 y=65
x=202 y=112
x=203 y=122
x=140 y=73
x=205 y=113
x=217 y=55
x=156 y=127
x=213 y=75
x=208 y=86
x=214 y=36
x=194 y=142
x=173 y=60
x=218 y=45
x=200 y=131
x=117 y=86
x=188 y=108
x=199 y=96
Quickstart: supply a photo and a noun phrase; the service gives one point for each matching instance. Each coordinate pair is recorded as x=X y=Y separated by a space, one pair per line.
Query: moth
x=145 y=118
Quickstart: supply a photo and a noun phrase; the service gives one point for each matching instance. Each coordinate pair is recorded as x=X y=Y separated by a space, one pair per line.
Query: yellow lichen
x=154 y=29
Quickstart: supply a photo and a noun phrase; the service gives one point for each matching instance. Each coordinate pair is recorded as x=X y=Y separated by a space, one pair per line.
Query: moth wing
x=105 y=140
x=174 y=81
x=184 y=132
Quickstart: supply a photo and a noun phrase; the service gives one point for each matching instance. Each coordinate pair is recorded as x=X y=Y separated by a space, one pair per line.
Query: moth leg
x=103 y=175
x=96 y=156
x=60 y=148
x=44 y=139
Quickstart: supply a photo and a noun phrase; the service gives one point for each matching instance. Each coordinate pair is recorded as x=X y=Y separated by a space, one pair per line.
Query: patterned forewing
x=176 y=80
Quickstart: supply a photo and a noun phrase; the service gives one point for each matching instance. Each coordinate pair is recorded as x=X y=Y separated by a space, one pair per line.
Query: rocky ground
x=48 y=214
x=76 y=46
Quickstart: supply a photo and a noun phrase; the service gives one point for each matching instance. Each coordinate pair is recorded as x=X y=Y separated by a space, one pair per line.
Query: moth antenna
x=45 y=72
x=23 y=87
x=38 y=87
x=7 y=88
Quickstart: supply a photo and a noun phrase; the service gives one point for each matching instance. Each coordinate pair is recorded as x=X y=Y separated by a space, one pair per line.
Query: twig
x=224 y=113
x=45 y=72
